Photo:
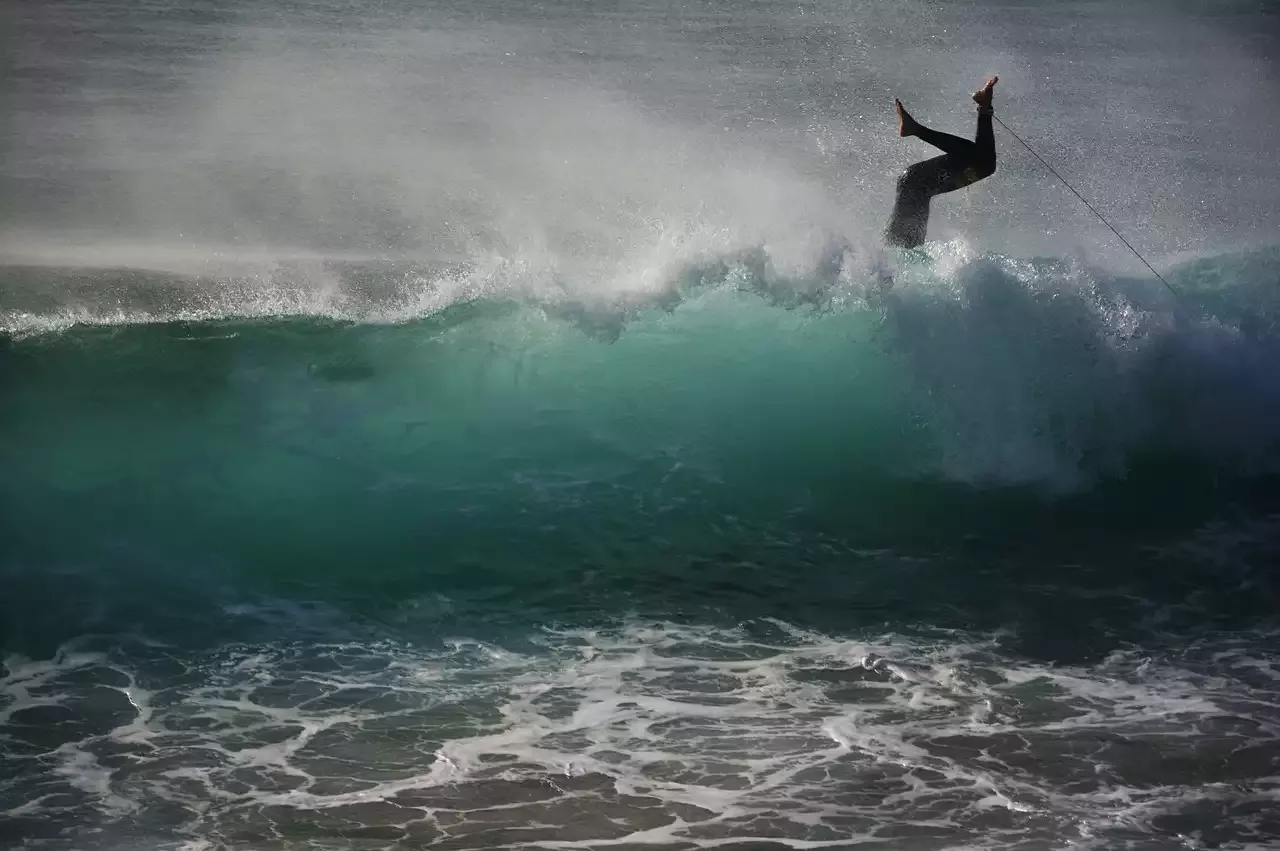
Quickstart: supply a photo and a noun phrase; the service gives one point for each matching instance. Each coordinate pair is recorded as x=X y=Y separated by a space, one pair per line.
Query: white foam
x=731 y=734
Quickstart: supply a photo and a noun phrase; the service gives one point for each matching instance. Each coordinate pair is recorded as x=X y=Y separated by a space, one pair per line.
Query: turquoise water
x=518 y=537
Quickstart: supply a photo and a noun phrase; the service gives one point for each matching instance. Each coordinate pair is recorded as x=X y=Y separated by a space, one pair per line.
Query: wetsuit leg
x=962 y=164
x=945 y=142
x=916 y=187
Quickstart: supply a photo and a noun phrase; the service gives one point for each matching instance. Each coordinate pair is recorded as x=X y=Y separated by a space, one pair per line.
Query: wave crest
x=978 y=368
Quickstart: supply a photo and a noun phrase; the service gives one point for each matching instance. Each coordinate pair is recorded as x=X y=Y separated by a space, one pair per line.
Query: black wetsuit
x=961 y=164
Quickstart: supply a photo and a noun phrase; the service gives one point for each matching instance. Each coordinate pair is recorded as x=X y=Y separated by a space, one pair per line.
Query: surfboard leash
x=1084 y=201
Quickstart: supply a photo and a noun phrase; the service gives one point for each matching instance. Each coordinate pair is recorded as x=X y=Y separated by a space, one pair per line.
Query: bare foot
x=907 y=126
x=982 y=97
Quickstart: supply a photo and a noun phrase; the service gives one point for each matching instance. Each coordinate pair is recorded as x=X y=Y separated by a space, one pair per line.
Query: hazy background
x=590 y=138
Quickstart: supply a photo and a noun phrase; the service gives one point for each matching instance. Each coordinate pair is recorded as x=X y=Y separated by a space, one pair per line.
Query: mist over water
x=593 y=139
x=489 y=425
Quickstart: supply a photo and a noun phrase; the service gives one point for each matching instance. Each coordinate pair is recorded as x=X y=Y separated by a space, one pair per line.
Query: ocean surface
x=493 y=425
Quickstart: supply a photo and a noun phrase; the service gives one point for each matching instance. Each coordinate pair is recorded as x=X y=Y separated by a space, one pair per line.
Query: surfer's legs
x=984 y=144
x=945 y=142
x=962 y=163
x=909 y=221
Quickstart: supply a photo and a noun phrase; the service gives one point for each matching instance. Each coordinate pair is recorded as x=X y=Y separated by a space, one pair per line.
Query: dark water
x=483 y=427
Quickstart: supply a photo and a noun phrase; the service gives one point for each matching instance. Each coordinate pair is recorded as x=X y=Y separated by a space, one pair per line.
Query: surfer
x=961 y=164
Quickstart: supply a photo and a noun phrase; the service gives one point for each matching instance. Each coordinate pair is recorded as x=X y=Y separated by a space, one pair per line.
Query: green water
x=721 y=453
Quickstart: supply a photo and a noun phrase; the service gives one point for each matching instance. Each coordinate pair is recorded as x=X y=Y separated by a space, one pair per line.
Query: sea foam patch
x=643 y=734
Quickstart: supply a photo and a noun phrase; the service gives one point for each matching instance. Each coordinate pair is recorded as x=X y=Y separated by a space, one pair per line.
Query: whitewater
x=501 y=426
